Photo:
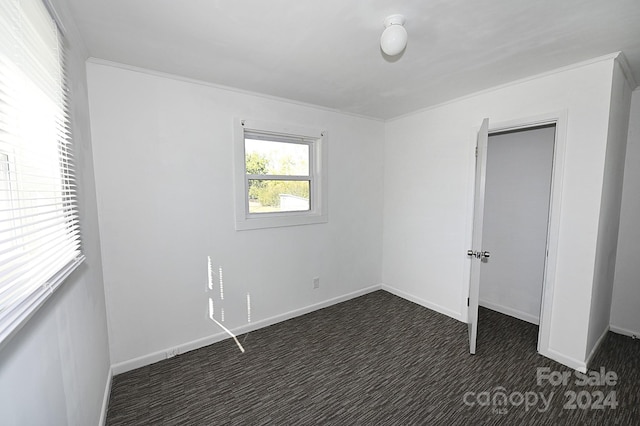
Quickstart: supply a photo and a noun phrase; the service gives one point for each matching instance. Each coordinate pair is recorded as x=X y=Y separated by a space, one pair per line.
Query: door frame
x=559 y=118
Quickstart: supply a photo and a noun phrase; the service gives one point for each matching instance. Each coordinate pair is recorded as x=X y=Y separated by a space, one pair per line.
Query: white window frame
x=318 y=154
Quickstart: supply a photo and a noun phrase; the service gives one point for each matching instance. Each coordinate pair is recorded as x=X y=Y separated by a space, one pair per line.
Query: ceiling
x=327 y=52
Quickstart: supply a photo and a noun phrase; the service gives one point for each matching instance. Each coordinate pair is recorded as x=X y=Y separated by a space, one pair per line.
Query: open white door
x=475 y=253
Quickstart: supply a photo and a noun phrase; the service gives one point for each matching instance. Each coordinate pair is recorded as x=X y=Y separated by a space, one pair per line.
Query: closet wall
x=516 y=215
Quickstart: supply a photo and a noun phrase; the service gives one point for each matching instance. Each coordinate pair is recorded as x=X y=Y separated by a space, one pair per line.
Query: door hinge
x=476 y=151
x=468 y=301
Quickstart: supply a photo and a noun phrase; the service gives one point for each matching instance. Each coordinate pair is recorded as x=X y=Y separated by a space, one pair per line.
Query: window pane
x=264 y=157
x=267 y=196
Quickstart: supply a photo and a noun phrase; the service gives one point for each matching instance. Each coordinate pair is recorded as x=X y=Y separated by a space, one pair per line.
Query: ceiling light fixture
x=394 y=37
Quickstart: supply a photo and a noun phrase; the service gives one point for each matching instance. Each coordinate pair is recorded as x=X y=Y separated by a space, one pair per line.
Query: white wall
x=56 y=369
x=163 y=152
x=429 y=165
x=516 y=213
x=609 y=211
x=625 y=307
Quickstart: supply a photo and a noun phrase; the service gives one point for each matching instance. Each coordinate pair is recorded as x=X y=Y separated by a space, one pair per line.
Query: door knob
x=486 y=254
x=470 y=253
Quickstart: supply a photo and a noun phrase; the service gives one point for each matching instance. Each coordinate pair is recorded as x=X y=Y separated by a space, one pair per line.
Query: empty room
x=292 y=213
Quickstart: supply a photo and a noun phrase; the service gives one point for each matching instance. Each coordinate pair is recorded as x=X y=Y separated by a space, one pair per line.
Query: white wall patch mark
x=210 y=277
x=221 y=283
x=222 y=326
x=210 y=272
x=248 y=307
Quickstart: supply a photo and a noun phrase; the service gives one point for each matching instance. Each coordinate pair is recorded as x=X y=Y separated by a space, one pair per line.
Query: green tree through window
x=256 y=164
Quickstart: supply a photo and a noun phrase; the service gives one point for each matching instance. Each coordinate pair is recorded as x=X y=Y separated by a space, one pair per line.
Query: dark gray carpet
x=375 y=360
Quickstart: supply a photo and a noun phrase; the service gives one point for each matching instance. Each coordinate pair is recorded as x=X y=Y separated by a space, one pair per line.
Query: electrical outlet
x=316 y=282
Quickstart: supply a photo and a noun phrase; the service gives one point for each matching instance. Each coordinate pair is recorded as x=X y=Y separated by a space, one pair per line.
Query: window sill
x=20 y=314
x=279 y=220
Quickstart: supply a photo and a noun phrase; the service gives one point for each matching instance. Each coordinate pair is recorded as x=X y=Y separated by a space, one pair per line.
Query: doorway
x=516 y=219
x=479 y=254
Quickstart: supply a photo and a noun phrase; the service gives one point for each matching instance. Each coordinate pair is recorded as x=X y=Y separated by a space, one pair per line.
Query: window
x=39 y=231
x=280 y=175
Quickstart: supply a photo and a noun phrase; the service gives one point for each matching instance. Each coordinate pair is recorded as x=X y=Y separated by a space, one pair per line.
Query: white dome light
x=394 y=37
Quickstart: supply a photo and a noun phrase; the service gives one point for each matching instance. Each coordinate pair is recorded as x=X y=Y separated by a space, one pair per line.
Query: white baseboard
x=433 y=306
x=105 y=399
x=578 y=365
x=151 y=358
x=596 y=346
x=624 y=331
x=524 y=316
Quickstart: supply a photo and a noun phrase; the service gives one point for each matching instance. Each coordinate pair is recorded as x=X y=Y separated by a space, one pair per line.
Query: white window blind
x=39 y=231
